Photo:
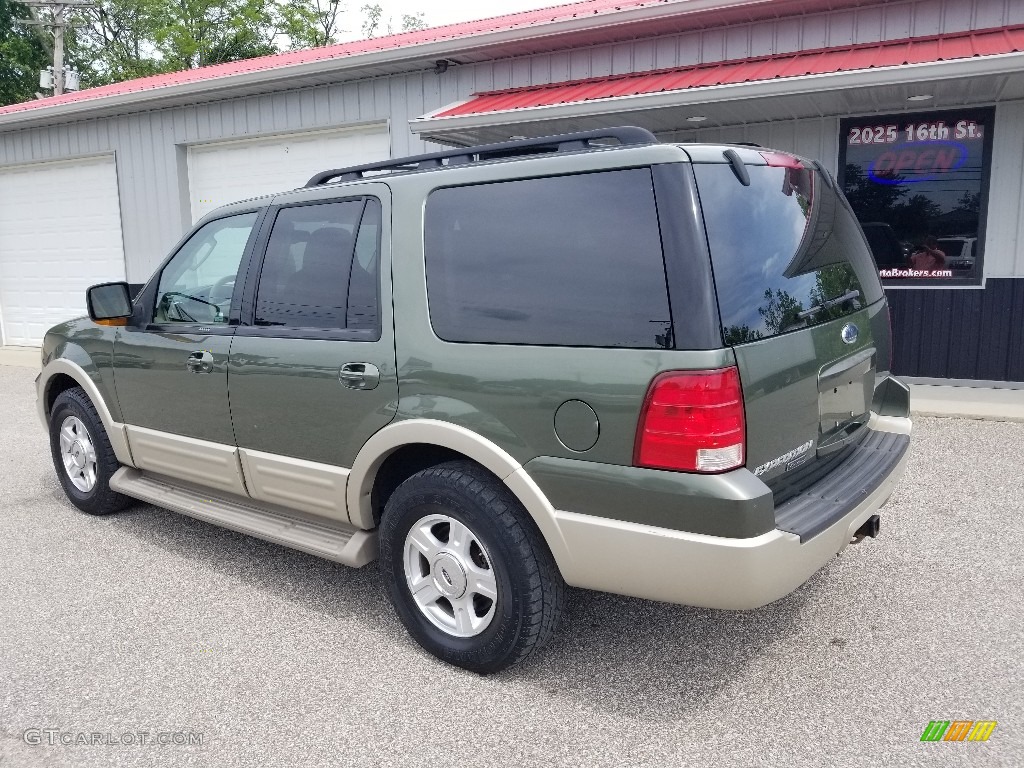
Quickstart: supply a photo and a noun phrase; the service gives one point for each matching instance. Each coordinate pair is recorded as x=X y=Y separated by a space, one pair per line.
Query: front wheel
x=82 y=454
x=466 y=569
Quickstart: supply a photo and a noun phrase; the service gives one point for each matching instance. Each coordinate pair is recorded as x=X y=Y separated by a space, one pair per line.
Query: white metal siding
x=226 y=172
x=816 y=138
x=149 y=145
x=1005 y=229
x=60 y=232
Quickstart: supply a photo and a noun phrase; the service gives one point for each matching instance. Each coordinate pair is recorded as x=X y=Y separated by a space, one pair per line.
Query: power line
x=58 y=21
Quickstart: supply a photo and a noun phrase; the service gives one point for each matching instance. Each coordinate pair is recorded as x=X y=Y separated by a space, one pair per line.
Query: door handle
x=359 y=375
x=199 y=361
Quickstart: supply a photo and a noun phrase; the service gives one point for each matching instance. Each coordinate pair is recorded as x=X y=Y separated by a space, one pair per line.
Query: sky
x=435 y=13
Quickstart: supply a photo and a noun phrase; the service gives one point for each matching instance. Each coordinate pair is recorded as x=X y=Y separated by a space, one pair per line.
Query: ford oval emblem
x=850 y=333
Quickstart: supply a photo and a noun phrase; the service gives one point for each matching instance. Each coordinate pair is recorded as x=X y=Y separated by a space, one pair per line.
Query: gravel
x=147 y=621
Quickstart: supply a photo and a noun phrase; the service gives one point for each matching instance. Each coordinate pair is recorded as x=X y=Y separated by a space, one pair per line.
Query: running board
x=335 y=541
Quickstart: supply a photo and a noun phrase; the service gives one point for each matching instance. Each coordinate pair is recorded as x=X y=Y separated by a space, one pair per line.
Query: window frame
x=987 y=115
x=144 y=309
x=247 y=325
x=661 y=182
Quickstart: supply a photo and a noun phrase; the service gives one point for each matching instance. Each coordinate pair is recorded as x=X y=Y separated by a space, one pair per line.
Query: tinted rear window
x=786 y=251
x=320 y=268
x=567 y=260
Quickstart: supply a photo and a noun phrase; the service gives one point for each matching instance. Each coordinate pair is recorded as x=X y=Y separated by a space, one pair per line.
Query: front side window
x=918 y=184
x=320 y=269
x=197 y=285
x=566 y=260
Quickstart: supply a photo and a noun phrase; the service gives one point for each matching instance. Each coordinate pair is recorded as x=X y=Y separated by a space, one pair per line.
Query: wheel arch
x=446 y=441
x=62 y=374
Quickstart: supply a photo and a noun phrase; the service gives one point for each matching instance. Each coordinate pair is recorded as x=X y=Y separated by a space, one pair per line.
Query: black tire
x=530 y=589
x=100 y=499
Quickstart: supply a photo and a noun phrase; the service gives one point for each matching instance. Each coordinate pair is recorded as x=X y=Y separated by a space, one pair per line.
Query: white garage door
x=60 y=232
x=229 y=171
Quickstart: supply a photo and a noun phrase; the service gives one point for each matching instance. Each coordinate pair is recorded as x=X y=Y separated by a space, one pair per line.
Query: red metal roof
x=920 y=50
x=525 y=19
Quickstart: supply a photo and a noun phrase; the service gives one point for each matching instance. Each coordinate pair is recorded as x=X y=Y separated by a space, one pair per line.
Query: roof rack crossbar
x=567 y=142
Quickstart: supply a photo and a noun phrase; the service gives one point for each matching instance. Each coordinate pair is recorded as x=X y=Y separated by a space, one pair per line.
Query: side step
x=335 y=541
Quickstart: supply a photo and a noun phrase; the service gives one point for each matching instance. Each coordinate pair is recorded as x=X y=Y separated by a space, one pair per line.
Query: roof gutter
x=998 y=64
x=214 y=86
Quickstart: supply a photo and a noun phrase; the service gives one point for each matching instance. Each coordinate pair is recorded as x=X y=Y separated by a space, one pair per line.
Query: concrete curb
x=25 y=357
x=967 y=402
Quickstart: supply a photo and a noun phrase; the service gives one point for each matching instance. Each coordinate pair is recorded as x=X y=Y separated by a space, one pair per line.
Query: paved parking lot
x=151 y=622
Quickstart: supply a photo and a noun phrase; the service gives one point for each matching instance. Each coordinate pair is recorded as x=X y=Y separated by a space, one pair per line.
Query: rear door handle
x=199 y=361
x=359 y=375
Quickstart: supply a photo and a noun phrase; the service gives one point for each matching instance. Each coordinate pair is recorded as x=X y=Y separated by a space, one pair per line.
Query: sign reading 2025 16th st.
x=937 y=130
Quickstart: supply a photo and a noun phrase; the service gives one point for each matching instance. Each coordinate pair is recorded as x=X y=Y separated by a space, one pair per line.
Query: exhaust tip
x=870 y=527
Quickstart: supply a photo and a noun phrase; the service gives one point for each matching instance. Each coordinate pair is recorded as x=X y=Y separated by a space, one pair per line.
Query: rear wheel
x=82 y=454
x=468 y=573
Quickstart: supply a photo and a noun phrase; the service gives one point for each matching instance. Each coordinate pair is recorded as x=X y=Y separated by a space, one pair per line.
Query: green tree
x=310 y=23
x=413 y=21
x=741 y=334
x=125 y=39
x=830 y=283
x=373 y=15
x=196 y=33
x=22 y=55
x=872 y=201
x=780 y=311
x=915 y=218
x=119 y=41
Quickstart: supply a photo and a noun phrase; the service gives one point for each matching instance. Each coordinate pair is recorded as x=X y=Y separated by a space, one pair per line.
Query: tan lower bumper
x=708 y=571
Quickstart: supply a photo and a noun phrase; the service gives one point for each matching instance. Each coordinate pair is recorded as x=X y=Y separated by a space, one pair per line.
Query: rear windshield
x=786 y=251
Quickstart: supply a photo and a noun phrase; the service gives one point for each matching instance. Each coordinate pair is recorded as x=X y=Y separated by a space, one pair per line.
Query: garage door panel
x=60 y=232
x=227 y=172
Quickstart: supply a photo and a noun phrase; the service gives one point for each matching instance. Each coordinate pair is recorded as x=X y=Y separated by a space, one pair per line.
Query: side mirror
x=109 y=303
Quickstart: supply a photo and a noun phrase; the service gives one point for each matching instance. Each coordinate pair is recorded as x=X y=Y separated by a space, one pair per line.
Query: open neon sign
x=915 y=161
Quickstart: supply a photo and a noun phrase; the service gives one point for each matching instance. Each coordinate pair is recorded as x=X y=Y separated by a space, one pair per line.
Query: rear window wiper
x=816 y=308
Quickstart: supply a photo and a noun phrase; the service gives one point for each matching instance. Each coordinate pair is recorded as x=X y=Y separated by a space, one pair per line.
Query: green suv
x=594 y=360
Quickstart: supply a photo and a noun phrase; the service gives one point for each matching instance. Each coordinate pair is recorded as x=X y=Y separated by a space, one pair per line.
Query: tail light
x=692 y=421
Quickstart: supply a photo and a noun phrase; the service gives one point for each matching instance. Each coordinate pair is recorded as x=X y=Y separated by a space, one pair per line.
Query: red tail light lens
x=692 y=421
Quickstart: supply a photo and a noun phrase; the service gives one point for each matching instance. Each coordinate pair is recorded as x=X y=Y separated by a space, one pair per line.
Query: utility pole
x=58 y=20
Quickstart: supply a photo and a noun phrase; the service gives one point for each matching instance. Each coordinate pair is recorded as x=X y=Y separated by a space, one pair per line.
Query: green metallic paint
x=734 y=504
x=285 y=391
x=780 y=384
x=509 y=394
x=90 y=346
x=286 y=397
x=157 y=391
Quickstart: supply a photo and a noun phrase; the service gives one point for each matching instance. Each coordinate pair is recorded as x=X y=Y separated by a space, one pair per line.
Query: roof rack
x=566 y=142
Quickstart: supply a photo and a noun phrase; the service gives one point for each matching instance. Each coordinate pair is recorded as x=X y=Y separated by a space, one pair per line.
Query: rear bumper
x=711 y=571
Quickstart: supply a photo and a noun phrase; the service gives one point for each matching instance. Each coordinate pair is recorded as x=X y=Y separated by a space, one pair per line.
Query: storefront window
x=919 y=184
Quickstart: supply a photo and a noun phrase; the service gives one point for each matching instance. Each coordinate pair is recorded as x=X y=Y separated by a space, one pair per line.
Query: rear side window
x=786 y=251
x=567 y=261
x=320 y=269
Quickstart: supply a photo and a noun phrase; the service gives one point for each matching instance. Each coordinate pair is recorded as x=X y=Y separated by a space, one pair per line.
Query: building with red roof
x=916 y=106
